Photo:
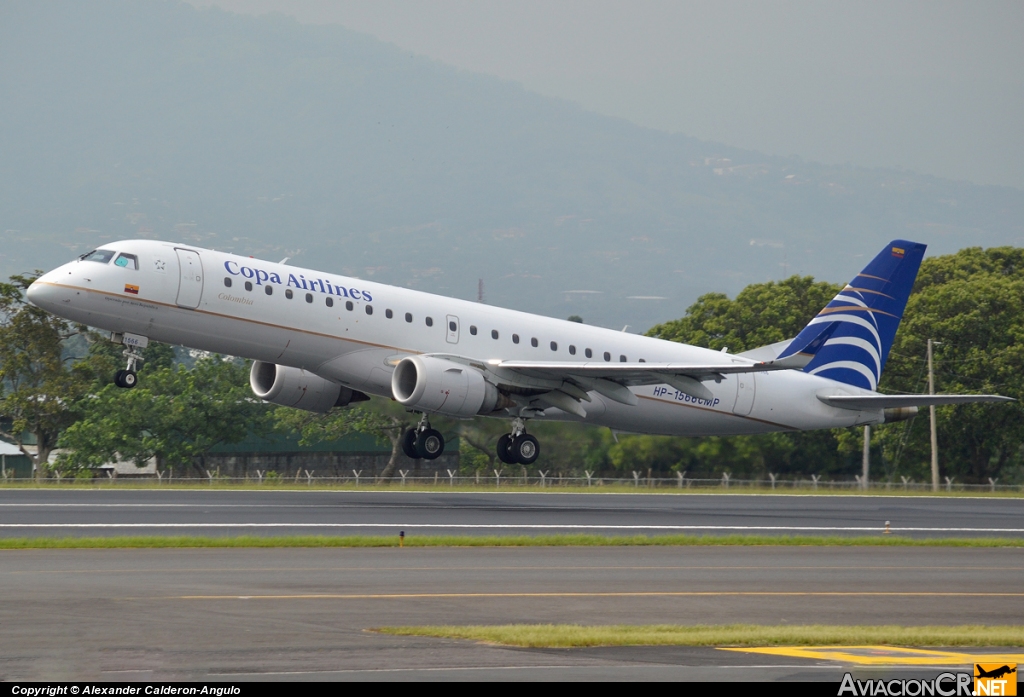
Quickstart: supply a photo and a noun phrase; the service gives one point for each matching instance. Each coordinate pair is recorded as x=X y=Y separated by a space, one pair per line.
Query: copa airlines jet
x=321 y=341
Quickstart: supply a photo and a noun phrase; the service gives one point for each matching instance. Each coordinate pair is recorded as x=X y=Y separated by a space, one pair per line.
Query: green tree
x=382 y=419
x=40 y=383
x=175 y=414
x=969 y=302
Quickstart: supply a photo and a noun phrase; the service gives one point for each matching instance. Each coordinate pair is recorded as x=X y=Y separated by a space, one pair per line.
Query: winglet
x=799 y=355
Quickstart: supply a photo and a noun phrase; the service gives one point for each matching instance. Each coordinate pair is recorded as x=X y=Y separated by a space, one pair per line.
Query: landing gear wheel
x=430 y=444
x=503 y=450
x=409 y=444
x=126 y=379
x=525 y=449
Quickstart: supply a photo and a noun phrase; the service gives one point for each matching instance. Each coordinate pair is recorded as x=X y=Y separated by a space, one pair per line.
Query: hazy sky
x=936 y=87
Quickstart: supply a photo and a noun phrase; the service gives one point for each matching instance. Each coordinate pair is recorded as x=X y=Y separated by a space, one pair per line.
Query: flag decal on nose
x=129 y=288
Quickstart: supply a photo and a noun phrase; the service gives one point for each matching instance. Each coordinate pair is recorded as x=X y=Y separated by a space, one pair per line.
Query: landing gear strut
x=423 y=441
x=518 y=447
x=134 y=344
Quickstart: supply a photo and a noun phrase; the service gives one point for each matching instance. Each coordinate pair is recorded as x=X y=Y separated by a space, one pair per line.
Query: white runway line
x=525 y=526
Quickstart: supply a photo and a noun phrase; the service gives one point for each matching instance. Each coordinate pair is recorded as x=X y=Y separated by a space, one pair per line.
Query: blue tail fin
x=867 y=313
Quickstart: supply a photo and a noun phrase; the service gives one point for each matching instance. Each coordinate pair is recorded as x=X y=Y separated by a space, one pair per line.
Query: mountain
x=263 y=136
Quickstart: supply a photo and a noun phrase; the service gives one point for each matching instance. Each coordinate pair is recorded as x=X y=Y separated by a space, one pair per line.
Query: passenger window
x=572 y=350
x=349 y=305
x=494 y=333
x=330 y=302
x=269 y=290
x=472 y=330
x=622 y=359
x=515 y=338
x=227 y=282
x=642 y=360
x=607 y=356
x=288 y=293
x=369 y=309
x=408 y=317
x=589 y=353
x=554 y=345
x=389 y=314
x=100 y=255
x=533 y=342
x=309 y=297
x=430 y=321
x=127 y=261
x=248 y=285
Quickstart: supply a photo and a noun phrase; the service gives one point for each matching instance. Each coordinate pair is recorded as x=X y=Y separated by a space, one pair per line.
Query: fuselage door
x=190 y=281
x=746 y=387
x=453 y=329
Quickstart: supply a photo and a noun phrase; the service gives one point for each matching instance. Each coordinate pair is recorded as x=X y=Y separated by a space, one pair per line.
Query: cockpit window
x=101 y=255
x=127 y=261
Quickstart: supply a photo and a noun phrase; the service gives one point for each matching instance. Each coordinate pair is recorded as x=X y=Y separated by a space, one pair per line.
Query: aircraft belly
x=671 y=418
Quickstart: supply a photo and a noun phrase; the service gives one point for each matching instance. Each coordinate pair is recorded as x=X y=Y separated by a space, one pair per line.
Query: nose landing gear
x=518 y=447
x=134 y=344
x=423 y=441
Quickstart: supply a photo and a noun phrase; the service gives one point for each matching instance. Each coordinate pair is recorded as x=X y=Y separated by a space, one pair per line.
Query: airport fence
x=503 y=479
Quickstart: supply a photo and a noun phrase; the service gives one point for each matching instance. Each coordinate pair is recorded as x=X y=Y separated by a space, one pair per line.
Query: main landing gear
x=518 y=447
x=134 y=344
x=423 y=441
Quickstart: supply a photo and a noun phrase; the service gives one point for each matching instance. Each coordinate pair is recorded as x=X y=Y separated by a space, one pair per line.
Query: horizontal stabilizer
x=895 y=401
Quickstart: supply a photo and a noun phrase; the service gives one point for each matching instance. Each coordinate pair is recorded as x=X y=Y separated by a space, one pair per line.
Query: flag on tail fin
x=867 y=313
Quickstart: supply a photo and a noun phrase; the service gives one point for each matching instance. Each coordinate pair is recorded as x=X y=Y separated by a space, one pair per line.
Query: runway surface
x=63 y=512
x=304 y=614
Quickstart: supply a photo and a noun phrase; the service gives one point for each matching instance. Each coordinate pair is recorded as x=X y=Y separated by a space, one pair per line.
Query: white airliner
x=321 y=341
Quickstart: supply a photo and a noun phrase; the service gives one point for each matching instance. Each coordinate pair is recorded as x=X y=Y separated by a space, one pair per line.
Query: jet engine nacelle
x=441 y=386
x=294 y=387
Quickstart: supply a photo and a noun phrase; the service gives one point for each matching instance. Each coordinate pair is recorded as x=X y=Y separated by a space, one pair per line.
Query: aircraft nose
x=43 y=292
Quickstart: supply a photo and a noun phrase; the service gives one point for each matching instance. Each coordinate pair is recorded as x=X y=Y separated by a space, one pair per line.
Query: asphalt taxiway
x=308 y=614
x=63 y=512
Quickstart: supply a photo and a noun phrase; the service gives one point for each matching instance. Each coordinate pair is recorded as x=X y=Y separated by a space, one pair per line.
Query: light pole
x=866 y=458
x=931 y=418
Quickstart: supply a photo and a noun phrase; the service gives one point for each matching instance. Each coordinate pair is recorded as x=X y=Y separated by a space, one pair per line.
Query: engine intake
x=441 y=386
x=294 y=387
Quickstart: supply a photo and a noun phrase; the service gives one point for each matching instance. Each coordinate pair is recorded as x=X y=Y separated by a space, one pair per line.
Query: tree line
x=57 y=392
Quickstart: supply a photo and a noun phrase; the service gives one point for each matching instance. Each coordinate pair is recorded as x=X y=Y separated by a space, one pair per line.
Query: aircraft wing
x=896 y=401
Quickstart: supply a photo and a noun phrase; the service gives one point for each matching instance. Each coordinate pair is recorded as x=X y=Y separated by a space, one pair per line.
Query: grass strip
x=580 y=540
x=572 y=635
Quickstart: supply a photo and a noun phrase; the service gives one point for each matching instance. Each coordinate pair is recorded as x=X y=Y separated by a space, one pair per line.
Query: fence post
x=650 y=477
x=211 y=476
x=772 y=477
x=402 y=473
x=543 y=481
x=309 y=478
x=357 y=476
x=451 y=477
x=524 y=476
x=815 y=478
x=993 y=482
x=636 y=478
x=905 y=481
x=949 y=483
x=259 y=476
x=497 y=477
x=589 y=475
x=725 y=479
x=435 y=477
x=680 y=476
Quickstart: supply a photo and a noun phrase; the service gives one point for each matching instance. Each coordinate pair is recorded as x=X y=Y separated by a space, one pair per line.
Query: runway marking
x=883 y=655
x=596 y=594
x=378 y=569
x=618 y=665
x=508 y=526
